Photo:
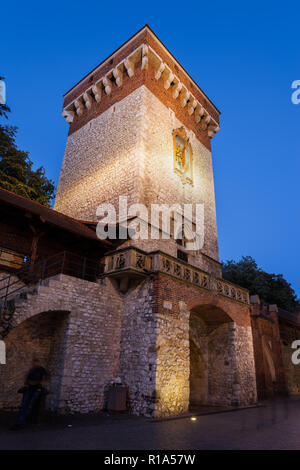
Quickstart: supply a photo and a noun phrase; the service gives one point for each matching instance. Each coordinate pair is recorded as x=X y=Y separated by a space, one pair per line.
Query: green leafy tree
x=16 y=168
x=272 y=288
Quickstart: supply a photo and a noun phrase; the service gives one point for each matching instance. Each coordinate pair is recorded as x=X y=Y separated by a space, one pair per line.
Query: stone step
x=20 y=299
x=24 y=296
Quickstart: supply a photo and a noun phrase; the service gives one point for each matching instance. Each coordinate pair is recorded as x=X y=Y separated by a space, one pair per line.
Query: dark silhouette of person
x=33 y=391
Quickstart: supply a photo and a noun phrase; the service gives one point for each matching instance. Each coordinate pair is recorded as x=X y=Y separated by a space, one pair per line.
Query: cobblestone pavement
x=275 y=425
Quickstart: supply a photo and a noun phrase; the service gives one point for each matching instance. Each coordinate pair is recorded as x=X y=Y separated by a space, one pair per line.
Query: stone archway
x=42 y=336
x=212 y=356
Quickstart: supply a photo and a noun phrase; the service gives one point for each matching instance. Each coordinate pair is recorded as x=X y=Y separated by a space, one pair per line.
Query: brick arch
x=211 y=313
x=185 y=297
x=232 y=310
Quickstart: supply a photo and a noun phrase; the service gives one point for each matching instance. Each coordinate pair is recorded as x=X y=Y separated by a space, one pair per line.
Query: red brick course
x=177 y=291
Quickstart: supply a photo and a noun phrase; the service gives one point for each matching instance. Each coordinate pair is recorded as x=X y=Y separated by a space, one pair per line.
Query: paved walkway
x=275 y=425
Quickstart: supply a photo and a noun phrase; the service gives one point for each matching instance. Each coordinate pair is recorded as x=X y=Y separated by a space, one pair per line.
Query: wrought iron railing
x=65 y=262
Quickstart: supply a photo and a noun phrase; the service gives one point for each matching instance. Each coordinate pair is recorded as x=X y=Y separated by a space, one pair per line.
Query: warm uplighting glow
x=193 y=418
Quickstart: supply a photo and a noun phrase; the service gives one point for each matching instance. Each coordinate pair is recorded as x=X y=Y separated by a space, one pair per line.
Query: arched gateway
x=212 y=356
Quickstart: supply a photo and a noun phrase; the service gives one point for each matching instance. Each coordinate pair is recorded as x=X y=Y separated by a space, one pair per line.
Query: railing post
x=7 y=292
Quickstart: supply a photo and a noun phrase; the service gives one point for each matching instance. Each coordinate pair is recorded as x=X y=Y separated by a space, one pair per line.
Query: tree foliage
x=16 y=168
x=272 y=288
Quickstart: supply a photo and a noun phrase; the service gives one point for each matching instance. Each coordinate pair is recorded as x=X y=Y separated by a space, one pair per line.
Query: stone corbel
x=212 y=130
x=145 y=53
x=68 y=114
x=79 y=107
x=205 y=123
x=192 y=106
x=97 y=90
x=107 y=85
x=118 y=76
x=184 y=97
x=207 y=119
x=199 y=113
x=169 y=80
x=177 y=90
x=87 y=100
x=160 y=70
x=129 y=66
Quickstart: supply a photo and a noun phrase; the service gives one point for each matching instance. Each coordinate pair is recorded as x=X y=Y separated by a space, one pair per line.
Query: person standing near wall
x=33 y=392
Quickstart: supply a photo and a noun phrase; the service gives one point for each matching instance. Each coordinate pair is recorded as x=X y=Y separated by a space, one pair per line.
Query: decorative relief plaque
x=183 y=155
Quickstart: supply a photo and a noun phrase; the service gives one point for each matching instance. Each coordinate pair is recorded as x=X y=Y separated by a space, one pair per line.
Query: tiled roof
x=50 y=216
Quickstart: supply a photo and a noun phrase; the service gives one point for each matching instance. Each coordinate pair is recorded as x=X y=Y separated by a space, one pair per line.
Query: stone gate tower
x=123 y=117
x=141 y=127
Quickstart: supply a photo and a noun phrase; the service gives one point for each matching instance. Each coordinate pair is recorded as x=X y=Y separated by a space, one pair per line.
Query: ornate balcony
x=134 y=263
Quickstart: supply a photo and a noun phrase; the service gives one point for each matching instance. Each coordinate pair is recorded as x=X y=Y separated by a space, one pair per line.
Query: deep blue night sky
x=244 y=56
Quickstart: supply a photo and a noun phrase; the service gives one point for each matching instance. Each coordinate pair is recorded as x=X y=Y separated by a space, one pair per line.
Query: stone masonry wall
x=101 y=160
x=173 y=371
x=168 y=188
x=89 y=353
x=32 y=338
x=225 y=352
x=221 y=365
x=245 y=379
x=198 y=360
x=138 y=347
